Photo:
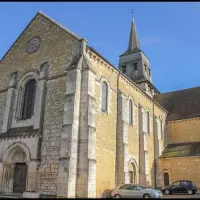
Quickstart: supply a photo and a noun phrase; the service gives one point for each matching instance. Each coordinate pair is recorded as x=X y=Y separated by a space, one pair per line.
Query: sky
x=169 y=33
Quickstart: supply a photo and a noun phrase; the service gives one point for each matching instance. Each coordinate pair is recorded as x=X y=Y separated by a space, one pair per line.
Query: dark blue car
x=181 y=186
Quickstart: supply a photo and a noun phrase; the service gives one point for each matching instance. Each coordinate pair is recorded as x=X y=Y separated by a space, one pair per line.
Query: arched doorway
x=166 y=179
x=15 y=168
x=19 y=185
x=132 y=173
x=20 y=173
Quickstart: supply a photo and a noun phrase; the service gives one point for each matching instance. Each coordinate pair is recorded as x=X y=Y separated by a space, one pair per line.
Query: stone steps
x=11 y=195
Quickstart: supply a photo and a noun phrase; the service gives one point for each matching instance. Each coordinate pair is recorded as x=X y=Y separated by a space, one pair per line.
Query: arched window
x=29 y=99
x=132 y=173
x=148 y=122
x=130 y=112
x=104 y=96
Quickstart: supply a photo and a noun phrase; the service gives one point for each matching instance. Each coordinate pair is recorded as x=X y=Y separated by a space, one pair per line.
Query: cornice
x=100 y=61
x=5 y=136
x=21 y=132
x=182 y=120
x=97 y=57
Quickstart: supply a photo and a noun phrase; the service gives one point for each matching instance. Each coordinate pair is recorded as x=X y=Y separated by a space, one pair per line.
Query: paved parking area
x=174 y=196
x=182 y=196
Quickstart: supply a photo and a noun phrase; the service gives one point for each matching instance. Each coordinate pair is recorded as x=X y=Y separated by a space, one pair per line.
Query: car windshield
x=141 y=187
x=177 y=183
x=194 y=184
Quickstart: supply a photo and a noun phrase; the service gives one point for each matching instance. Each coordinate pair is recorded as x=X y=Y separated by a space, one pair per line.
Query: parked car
x=181 y=186
x=134 y=191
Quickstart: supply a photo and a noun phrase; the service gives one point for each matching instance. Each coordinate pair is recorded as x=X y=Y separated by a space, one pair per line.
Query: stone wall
x=137 y=133
x=184 y=130
x=106 y=123
x=51 y=145
x=181 y=168
x=180 y=131
x=59 y=48
x=159 y=143
x=2 y=107
x=86 y=167
x=127 y=149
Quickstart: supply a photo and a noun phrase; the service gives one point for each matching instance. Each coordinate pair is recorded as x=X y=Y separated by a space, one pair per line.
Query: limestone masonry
x=72 y=125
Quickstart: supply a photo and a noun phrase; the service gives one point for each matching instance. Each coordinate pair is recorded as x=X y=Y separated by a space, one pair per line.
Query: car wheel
x=117 y=196
x=167 y=192
x=146 y=196
x=194 y=193
x=189 y=191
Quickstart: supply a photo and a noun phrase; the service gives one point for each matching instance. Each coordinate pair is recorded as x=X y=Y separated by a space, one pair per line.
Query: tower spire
x=133 y=39
x=134 y=64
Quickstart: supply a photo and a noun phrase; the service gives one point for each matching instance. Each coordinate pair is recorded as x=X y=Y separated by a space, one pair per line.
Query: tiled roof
x=181 y=150
x=181 y=104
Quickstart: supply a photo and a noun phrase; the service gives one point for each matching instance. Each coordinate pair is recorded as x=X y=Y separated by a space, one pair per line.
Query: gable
x=57 y=45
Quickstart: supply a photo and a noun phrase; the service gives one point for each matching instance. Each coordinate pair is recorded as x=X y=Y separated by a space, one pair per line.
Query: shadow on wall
x=155 y=181
x=153 y=176
x=106 y=193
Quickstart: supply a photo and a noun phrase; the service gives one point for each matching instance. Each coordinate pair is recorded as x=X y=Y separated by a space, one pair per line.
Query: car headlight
x=158 y=194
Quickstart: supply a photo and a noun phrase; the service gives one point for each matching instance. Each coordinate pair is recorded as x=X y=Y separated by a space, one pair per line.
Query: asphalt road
x=182 y=196
x=174 y=196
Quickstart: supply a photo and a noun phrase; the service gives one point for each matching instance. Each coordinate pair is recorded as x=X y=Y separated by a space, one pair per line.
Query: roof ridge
x=1 y=59
x=183 y=143
x=179 y=90
x=60 y=25
x=49 y=18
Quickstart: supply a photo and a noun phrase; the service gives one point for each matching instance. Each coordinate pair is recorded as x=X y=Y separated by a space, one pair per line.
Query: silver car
x=135 y=191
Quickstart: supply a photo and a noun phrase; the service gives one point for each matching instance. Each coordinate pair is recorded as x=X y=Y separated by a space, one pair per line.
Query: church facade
x=72 y=125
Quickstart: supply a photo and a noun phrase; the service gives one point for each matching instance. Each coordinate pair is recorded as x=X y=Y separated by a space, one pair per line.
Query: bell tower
x=135 y=64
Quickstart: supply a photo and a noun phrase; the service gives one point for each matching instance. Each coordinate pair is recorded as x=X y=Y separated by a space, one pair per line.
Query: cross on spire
x=132 y=11
x=133 y=39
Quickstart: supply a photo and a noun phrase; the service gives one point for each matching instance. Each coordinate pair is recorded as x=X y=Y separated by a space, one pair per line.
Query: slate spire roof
x=133 y=39
x=134 y=43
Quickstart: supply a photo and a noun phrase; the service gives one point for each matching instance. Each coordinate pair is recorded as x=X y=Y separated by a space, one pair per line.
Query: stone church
x=73 y=125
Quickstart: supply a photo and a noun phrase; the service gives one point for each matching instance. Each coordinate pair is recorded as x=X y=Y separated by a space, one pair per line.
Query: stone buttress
x=77 y=170
x=122 y=140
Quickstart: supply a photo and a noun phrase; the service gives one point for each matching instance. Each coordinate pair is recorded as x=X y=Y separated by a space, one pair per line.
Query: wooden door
x=166 y=179
x=20 y=175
